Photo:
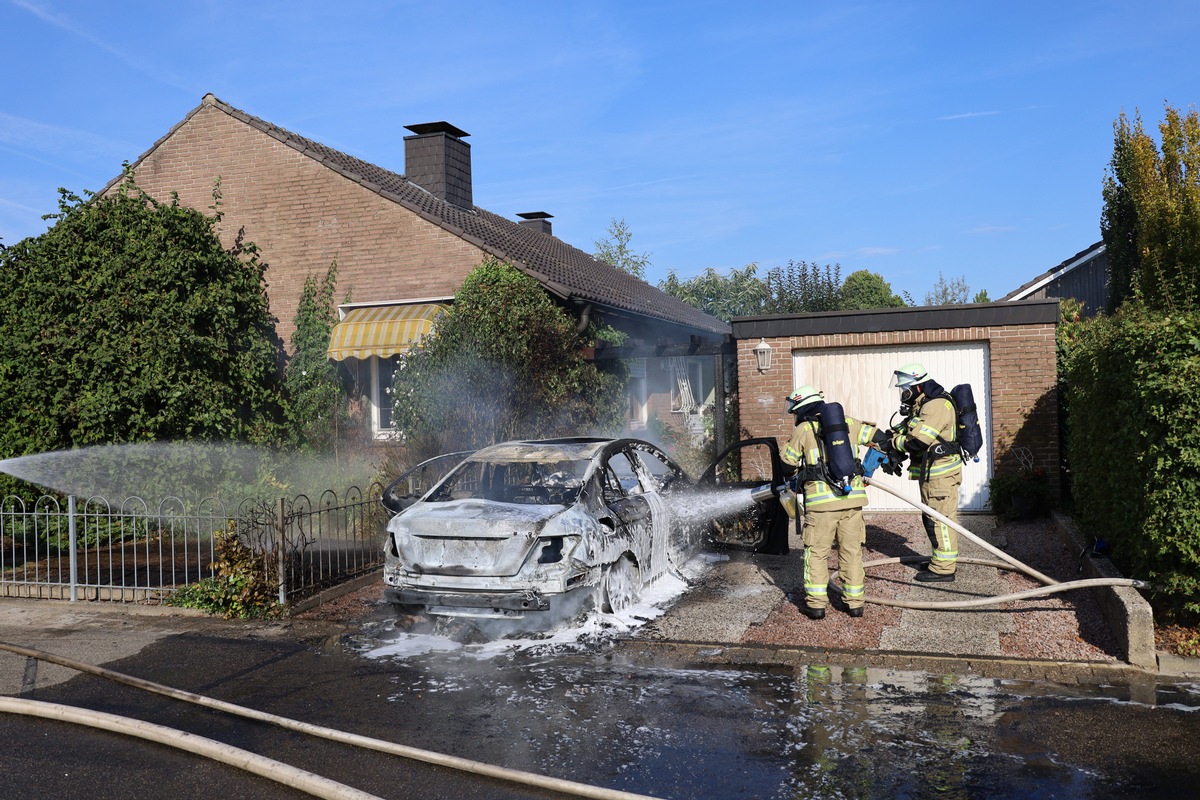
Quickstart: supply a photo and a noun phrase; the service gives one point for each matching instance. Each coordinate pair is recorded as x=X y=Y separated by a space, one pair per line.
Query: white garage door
x=859 y=379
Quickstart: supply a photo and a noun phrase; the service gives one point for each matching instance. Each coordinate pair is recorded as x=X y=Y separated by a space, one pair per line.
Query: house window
x=383 y=371
x=691 y=384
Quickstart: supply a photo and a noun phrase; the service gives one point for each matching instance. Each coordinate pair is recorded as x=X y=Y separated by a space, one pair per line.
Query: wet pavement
x=593 y=709
x=719 y=690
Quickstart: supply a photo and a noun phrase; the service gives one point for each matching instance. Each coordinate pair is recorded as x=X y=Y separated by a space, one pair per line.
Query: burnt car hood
x=469 y=537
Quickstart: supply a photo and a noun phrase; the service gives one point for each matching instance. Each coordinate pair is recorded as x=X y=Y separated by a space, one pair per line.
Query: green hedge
x=1133 y=444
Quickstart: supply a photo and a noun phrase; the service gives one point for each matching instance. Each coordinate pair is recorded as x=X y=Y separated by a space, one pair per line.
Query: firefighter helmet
x=908 y=376
x=803 y=397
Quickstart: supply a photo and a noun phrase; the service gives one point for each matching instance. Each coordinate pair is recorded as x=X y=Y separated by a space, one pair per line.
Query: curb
x=1128 y=613
x=718 y=654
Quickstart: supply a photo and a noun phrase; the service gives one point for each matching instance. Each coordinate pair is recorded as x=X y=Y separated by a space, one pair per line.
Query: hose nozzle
x=765 y=493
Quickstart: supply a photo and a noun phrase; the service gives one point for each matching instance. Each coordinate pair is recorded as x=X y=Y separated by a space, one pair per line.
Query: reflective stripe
x=947 y=465
x=809 y=586
x=945 y=553
x=825 y=494
x=930 y=433
x=853 y=591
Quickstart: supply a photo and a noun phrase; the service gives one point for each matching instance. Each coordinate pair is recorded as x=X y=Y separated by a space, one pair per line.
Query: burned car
x=520 y=528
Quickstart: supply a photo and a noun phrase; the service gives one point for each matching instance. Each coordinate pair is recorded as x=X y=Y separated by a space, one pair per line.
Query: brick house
x=1005 y=350
x=403 y=245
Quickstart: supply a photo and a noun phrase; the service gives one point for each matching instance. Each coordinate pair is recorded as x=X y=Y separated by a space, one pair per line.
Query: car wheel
x=621 y=587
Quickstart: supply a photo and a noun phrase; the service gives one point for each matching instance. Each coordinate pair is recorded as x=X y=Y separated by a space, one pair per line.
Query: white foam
x=592 y=627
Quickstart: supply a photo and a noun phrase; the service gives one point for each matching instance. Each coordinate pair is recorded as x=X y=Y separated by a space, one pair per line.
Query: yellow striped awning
x=382 y=331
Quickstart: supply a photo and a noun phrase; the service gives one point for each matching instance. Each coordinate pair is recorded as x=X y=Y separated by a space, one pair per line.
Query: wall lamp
x=762 y=355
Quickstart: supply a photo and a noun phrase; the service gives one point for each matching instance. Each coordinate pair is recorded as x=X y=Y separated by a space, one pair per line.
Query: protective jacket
x=805 y=449
x=932 y=419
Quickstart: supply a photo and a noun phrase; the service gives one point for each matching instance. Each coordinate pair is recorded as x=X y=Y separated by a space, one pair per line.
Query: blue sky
x=910 y=139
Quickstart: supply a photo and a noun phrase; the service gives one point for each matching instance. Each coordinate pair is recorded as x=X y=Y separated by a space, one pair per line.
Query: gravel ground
x=1063 y=627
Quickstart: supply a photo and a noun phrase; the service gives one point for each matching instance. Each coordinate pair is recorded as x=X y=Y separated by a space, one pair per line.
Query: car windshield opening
x=523 y=482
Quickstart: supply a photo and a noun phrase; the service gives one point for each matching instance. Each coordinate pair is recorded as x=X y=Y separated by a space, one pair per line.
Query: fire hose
x=1049 y=585
x=277 y=771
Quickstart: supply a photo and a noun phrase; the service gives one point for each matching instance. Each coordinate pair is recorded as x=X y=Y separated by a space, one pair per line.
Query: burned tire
x=621 y=587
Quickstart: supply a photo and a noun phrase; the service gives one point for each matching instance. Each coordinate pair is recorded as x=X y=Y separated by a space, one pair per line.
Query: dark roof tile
x=564 y=269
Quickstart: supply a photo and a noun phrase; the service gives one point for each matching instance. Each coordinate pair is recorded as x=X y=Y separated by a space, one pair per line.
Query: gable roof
x=1079 y=259
x=562 y=269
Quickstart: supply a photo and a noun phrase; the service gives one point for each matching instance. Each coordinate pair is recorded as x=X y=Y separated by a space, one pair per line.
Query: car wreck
x=530 y=529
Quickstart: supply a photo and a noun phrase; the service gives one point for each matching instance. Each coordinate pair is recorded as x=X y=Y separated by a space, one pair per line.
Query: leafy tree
x=981 y=297
x=503 y=362
x=863 y=289
x=1152 y=213
x=796 y=288
x=947 y=293
x=800 y=286
x=1118 y=221
x=741 y=293
x=614 y=250
x=129 y=322
x=318 y=409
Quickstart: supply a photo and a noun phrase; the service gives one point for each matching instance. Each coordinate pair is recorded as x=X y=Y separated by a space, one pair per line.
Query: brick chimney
x=438 y=160
x=536 y=220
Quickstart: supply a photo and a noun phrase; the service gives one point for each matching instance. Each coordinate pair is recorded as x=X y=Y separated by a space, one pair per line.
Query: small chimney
x=536 y=220
x=438 y=160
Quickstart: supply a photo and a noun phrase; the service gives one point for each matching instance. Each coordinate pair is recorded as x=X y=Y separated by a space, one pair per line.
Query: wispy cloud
x=18 y=206
x=877 y=251
x=29 y=137
x=61 y=22
x=970 y=115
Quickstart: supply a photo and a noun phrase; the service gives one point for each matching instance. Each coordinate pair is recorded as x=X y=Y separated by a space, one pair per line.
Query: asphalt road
x=665 y=722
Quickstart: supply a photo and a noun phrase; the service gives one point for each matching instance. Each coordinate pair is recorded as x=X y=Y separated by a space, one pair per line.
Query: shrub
x=244 y=585
x=1134 y=446
x=503 y=362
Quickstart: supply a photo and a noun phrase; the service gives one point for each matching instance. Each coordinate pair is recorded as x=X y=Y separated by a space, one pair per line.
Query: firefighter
x=820 y=440
x=928 y=436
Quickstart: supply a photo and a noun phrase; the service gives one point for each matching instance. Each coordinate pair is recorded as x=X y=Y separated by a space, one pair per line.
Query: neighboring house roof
x=564 y=270
x=1054 y=273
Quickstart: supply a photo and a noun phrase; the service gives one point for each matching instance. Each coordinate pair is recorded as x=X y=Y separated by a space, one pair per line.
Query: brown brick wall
x=1024 y=402
x=302 y=216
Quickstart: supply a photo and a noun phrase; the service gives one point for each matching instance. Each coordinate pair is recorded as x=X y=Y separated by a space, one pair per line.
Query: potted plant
x=1025 y=493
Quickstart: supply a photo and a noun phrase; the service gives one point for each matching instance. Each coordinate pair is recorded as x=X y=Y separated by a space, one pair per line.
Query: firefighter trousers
x=941 y=494
x=821 y=529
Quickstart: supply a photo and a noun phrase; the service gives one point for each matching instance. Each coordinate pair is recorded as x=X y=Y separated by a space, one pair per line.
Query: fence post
x=73 y=540
x=281 y=531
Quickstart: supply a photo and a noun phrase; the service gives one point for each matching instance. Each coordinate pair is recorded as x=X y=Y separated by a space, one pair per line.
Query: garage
x=859 y=380
x=1006 y=351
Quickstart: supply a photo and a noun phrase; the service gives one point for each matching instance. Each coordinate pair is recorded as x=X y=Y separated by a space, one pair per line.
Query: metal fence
x=137 y=552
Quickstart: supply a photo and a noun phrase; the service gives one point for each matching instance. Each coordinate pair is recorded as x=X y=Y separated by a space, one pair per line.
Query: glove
x=895 y=461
